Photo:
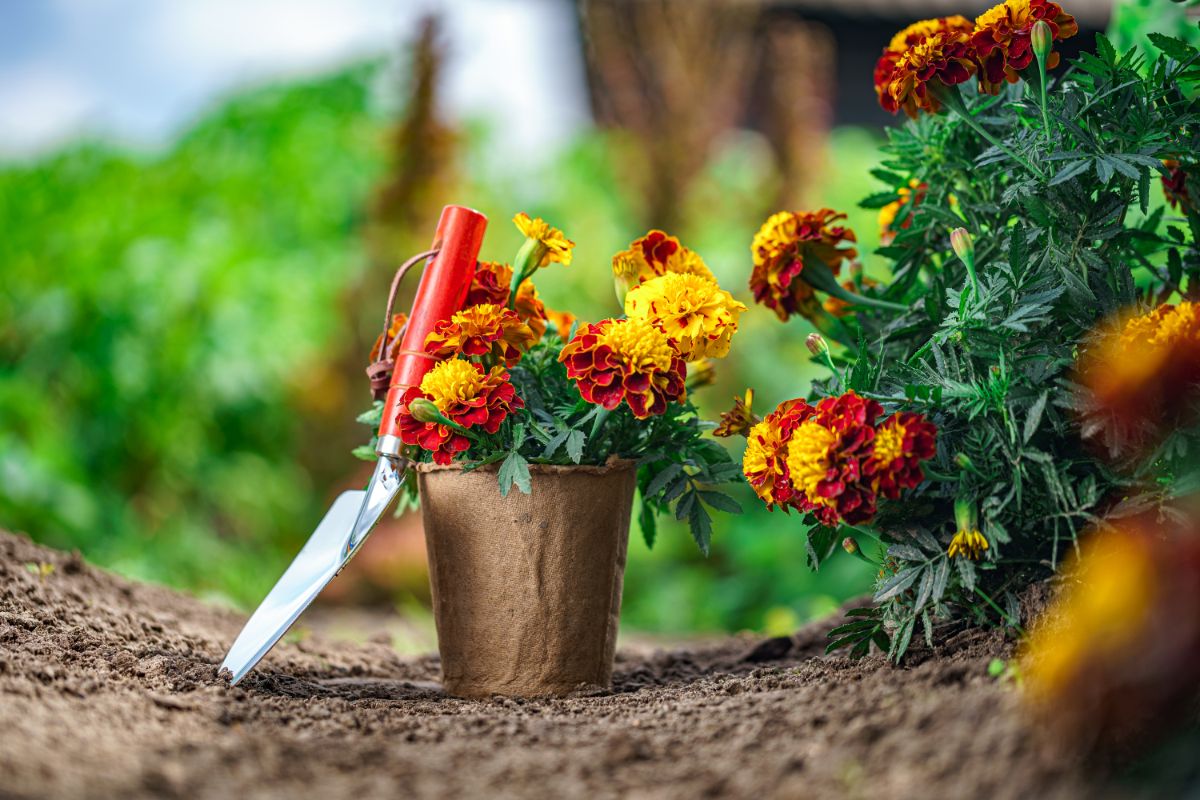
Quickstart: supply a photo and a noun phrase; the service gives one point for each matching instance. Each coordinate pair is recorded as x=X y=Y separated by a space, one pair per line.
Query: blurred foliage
x=175 y=391
x=1134 y=20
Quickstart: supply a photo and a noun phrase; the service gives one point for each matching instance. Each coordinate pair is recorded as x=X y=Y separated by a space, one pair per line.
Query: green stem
x=601 y=415
x=952 y=99
x=1004 y=614
x=1042 y=86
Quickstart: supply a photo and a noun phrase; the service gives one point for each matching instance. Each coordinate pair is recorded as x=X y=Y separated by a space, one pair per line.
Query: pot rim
x=612 y=465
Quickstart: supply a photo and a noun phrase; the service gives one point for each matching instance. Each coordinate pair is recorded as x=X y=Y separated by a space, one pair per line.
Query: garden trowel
x=442 y=290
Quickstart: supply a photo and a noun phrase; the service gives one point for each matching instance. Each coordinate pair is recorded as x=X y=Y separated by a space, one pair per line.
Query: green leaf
x=648 y=521
x=575 y=442
x=701 y=526
x=660 y=480
x=366 y=452
x=721 y=502
x=1175 y=48
x=897 y=584
x=514 y=471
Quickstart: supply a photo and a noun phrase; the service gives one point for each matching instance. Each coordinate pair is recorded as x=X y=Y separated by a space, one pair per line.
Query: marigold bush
x=1028 y=370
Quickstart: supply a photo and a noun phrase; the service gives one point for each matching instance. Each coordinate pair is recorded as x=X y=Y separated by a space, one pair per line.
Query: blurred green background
x=183 y=328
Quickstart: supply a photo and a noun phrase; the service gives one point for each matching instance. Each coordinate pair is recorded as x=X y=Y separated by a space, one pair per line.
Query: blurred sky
x=138 y=70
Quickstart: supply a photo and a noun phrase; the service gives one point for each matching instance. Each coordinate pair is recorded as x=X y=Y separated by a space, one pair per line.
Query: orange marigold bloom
x=782 y=246
x=941 y=58
x=826 y=455
x=561 y=320
x=490 y=285
x=1174 y=184
x=887 y=215
x=901 y=443
x=393 y=335
x=765 y=461
x=466 y=395
x=481 y=330
x=627 y=360
x=657 y=253
x=1003 y=43
x=739 y=419
x=1147 y=376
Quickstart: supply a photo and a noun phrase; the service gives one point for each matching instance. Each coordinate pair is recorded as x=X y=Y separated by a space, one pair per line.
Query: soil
x=108 y=688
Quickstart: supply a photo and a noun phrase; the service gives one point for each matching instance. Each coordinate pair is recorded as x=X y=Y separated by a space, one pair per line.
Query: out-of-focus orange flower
x=1146 y=378
x=490 y=285
x=482 y=330
x=627 y=360
x=561 y=320
x=739 y=419
x=1003 y=39
x=786 y=242
x=393 y=335
x=1114 y=662
x=1174 y=185
x=465 y=394
x=910 y=80
x=887 y=215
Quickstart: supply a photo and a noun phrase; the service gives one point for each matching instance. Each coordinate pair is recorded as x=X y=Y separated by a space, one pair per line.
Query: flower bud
x=964 y=461
x=700 y=373
x=423 y=410
x=963 y=244
x=850 y=545
x=1042 y=38
x=816 y=344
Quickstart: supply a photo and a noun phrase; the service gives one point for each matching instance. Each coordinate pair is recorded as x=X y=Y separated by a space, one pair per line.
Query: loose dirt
x=108 y=688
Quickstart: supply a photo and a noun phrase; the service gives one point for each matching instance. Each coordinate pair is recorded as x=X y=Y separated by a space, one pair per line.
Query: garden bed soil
x=108 y=688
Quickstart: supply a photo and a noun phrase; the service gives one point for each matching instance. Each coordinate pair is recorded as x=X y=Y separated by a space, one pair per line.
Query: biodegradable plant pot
x=527 y=588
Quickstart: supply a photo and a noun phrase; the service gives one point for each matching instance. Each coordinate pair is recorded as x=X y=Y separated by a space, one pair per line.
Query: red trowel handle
x=443 y=287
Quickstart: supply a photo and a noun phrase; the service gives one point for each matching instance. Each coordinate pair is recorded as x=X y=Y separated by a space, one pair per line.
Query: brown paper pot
x=527 y=588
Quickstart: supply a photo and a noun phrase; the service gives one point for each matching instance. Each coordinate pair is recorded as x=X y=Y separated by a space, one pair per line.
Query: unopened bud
x=850 y=545
x=423 y=410
x=963 y=244
x=964 y=461
x=1042 y=38
x=816 y=344
x=856 y=271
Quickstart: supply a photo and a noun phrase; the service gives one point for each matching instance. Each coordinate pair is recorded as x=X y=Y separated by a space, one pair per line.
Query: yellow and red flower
x=1002 y=39
x=739 y=419
x=887 y=215
x=902 y=442
x=655 y=254
x=826 y=456
x=765 y=461
x=552 y=244
x=482 y=330
x=393 y=335
x=909 y=80
x=786 y=242
x=627 y=360
x=1174 y=184
x=967 y=543
x=491 y=285
x=465 y=394
x=1146 y=376
x=696 y=314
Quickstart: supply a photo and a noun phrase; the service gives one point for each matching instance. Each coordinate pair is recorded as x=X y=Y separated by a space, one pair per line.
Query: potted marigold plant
x=580 y=418
x=1029 y=368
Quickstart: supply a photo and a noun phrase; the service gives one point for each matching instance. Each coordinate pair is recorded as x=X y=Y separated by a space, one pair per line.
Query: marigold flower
x=561 y=320
x=825 y=459
x=491 y=285
x=650 y=256
x=970 y=544
x=466 y=395
x=695 y=313
x=910 y=80
x=781 y=248
x=393 y=335
x=764 y=462
x=901 y=443
x=556 y=246
x=627 y=360
x=887 y=215
x=739 y=419
x=1174 y=184
x=1147 y=376
x=481 y=330
x=1002 y=39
